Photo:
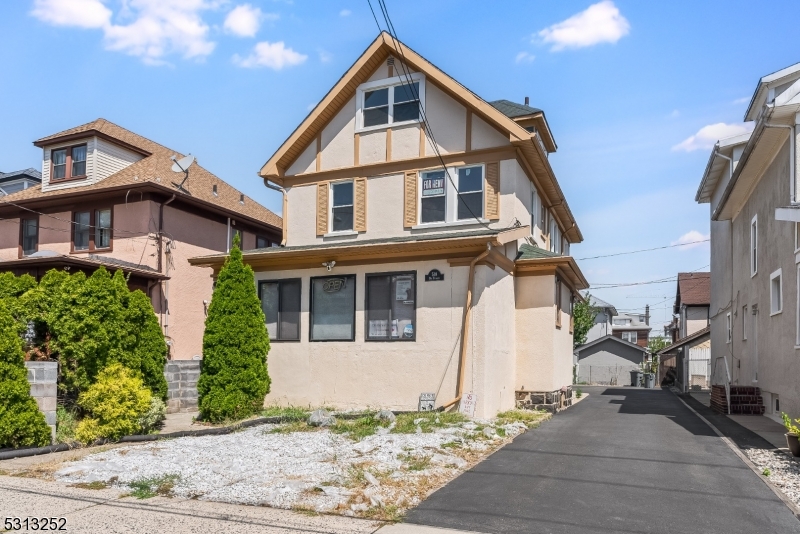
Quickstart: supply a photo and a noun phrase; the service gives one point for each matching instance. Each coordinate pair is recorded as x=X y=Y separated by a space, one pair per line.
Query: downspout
x=284 y=208
x=164 y=303
x=462 y=360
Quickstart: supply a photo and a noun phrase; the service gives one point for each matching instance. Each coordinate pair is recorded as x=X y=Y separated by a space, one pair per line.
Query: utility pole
x=647 y=314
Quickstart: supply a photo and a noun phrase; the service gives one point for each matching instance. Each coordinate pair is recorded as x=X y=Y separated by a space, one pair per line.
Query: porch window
x=30 y=236
x=262 y=242
x=631 y=337
x=342 y=206
x=280 y=301
x=69 y=162
x=391 y=307
x=333 y=308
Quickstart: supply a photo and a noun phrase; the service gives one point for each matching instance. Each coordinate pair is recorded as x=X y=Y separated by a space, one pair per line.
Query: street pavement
x=623 y=460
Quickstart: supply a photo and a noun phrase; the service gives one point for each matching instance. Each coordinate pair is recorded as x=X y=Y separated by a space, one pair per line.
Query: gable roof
x=610 y=337
x=154 y=170
x=531 y=152
x=694 y=289
x=683 y=341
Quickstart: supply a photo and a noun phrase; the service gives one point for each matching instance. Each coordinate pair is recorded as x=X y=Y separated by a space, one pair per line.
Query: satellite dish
x=182 y=165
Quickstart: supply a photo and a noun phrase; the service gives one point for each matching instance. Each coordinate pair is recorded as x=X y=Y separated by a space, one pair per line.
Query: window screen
x=333 y=308
x=391 y=307
x=280 y=301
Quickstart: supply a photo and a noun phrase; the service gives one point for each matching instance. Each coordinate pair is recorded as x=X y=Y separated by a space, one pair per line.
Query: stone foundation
x=182 y=376
x=43 y=378
x=549 y=401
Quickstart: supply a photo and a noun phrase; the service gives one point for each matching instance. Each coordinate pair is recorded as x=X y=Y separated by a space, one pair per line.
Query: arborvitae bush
x=146 y=343
x=234 y=380
x=11 y=289
x=21 y=422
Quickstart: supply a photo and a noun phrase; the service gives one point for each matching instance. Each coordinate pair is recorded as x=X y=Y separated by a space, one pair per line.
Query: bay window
x=391 y=306
x=69 y=162
x=333 y=308
x=280 y=301
x=383 y=103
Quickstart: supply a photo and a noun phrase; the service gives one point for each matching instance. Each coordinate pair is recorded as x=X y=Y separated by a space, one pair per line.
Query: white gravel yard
x=318 y=470
x=784 y=470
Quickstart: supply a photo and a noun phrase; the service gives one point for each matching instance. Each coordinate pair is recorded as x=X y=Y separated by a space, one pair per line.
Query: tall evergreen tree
x=21 y=422
x=146 y=343
x=234 y=380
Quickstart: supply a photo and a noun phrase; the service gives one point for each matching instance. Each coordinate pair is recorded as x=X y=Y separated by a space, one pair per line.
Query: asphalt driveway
x=622 y=460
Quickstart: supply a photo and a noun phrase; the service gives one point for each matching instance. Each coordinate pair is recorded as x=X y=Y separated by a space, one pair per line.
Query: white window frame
x=773 y=310
x=796 y=237
x=754 y=246
x=729 y=327
x=330 y=209
x=744 y=322
x=630 y=334
x=380 y=84
x=451 y=198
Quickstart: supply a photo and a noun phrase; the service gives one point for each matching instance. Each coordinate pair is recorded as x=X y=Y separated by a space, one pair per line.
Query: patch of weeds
x=450 y=445
x=766 y=472
x=390 y=512
x=66 y=423
x=295 y=426
x=358 y=429
x=96 y=485
x=304 y=509
x=145 y=488
x=355 y=476
x=578 y=393
x=415 y=463
x=531 y=418
x=288 y=413
x=405 y=422
x=501 y=431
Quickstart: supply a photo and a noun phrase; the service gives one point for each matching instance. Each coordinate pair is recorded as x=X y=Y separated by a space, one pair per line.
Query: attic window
x=214 y=189
x=68 y=162
x=384 y=103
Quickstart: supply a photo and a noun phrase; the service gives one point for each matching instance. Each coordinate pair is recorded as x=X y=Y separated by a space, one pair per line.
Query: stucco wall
x=536 y=336
x=696 y=319
x=393 y=374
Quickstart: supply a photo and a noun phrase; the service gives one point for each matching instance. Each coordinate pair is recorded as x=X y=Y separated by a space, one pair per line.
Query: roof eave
x=45 y=142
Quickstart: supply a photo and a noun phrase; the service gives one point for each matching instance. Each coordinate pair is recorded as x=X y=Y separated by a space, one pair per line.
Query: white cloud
x=345 y=13
x=524 y=57
x=272 y=55
x=243 y=20
x=692 y=236
x=80 y=13
x=325 y=56
x=151 y=29
x=599 y=23
x=707 y=136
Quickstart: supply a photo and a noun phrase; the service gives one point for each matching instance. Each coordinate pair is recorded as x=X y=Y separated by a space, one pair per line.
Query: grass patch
x=96 y=485
x=531 y=418
x=358 y=429
x=415 y=463
x=450 y=445
x=304 y=509
x=390 y=512
x=429 y=421
x=288 y=413
x=66 y=423
x=146 y=488
x=294 y=426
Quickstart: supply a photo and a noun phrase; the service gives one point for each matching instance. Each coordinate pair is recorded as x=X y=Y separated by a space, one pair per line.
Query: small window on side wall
x=391 y=307
x=630 y=337
x=280 y=301
x=776 y=292
x=333 y=308
x=30 y=236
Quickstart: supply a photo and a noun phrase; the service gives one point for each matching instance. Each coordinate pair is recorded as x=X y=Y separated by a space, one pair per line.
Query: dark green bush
x=146 y=343
x=234 y=380
x=21 y=422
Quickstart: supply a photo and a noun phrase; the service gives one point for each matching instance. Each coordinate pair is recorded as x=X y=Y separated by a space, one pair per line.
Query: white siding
x=103 y=159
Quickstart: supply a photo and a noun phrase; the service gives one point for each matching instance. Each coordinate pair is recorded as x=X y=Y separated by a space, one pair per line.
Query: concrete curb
x=743 y=457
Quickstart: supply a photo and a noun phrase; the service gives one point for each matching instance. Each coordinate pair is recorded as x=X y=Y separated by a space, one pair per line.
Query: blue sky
x=625 y=86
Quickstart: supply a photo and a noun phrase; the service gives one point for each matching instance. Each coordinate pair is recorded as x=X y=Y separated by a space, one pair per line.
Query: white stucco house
x=425 y=248
x=751 y=185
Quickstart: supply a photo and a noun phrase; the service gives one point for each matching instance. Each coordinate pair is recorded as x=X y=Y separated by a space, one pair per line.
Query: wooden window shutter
x=322 y=208
x=492 y=197
x=360 y=205
x=410 y=200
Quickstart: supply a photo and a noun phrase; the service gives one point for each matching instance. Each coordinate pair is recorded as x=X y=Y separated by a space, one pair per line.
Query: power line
x=656 y=281
x=645 y=250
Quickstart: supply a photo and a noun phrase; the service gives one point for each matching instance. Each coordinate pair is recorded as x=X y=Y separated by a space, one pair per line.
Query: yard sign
x=467 y=404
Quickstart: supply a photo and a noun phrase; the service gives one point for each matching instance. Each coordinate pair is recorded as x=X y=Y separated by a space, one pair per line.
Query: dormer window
x=390 y=102
x=68 y=163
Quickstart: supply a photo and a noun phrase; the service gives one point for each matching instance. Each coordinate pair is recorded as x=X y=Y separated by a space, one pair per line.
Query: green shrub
x=116 y=403
x=21 y=422
x=154 y=415
x=66 y=423
x=234 y=380
x=11 y=289
x=146 y=343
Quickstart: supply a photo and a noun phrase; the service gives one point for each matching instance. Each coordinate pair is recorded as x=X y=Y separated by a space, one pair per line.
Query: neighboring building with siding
x=608 y=361
x=752 y=186
x=417 y=260
x=603 y=319
x=109 y=197
x=631 y=327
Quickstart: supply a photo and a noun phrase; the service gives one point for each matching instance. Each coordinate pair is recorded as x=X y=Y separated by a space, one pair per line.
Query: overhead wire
x=644 y=250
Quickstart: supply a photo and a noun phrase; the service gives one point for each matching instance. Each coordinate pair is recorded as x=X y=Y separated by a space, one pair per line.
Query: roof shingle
x=694 y=289
x=512 y=109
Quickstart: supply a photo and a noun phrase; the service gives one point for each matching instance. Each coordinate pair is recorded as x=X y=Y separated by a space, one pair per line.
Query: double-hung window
x=30 y=236
x=776 y=292
x=341 y=206
x=280 y=301
x=394 y=101
x=728 y=328
x=630 y=337
x=391 y=307
x=452 y=195
x=91 y=230
x=69 y=162
x=754 y=245
x=333 y=308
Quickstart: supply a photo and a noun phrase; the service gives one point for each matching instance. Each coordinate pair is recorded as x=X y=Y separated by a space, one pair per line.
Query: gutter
x=284 y=209
x=462 y=360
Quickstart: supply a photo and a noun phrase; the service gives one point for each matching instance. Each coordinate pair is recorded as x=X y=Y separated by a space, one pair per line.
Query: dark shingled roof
x=33 y=174
x=694 y=289
x=512 y=109
x=530 y=252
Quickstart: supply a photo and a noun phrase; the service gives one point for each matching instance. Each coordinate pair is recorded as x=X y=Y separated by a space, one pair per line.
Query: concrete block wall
x=182 y=376
x=43 y=378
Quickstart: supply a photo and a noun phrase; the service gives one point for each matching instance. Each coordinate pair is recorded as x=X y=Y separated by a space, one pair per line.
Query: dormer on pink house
x=426 y=259
x=109 y=197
